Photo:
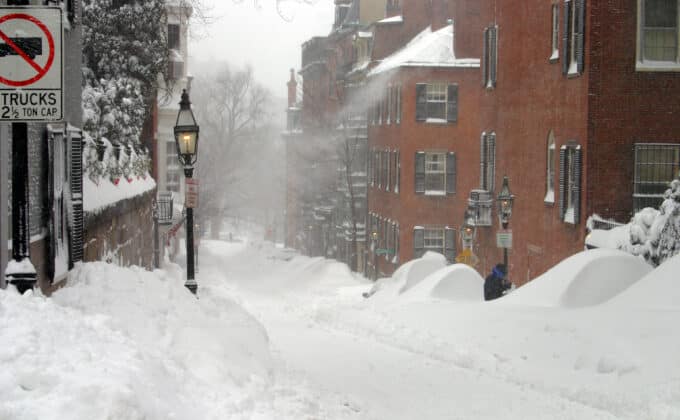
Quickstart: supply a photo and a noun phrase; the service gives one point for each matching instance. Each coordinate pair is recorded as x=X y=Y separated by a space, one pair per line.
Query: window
x=550 y=169
x=436 y=102
x=490 y=57
x=555 y=38
x=570 y=183
x=658 y=34
x=572 y=37
x=388 y=107
x=385 y=173
x=173 y=36
x=175 y=69
x=440 y=240
x=394 y=171
x=656 y=165
x=435 y=173
x=398 y=106
x=487 y=161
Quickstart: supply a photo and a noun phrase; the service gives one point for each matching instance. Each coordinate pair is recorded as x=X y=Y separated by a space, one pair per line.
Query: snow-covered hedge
x=655 y=234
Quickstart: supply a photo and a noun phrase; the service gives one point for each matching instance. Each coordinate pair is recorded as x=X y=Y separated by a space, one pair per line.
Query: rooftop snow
x=427 y=49
x=393 y=19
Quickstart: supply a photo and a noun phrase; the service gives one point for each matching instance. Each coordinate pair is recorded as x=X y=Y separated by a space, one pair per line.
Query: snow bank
x=659 y=289
x=129 y=344
x=584 y=279
x=457 y=282
x=97 y=197
x=408 y=274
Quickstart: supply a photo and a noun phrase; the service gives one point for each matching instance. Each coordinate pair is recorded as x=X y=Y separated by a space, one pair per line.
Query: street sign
x=31 y=64
x=191 y=193
x=384 y=251
x=504 y=239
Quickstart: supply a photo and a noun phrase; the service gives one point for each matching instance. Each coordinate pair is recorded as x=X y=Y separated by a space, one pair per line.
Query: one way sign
x=31 y=65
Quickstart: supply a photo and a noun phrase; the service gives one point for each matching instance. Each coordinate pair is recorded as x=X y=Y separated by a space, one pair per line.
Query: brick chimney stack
x=292 y=89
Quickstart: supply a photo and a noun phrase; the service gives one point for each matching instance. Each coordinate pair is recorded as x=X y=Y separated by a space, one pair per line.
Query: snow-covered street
x=280 y=336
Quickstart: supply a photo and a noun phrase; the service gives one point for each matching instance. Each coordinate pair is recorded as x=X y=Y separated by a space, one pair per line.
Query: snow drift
x=457 y=282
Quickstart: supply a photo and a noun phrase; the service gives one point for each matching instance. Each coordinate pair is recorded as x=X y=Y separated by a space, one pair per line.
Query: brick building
x=571 y=100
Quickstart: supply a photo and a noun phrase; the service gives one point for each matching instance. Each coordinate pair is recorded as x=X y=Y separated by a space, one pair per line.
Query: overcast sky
x=242 y=33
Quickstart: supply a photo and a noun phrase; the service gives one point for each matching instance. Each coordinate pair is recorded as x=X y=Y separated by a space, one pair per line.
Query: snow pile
x=660 y=289
x=427 y=49
x=126 y=344
x=409 y=274
x=457 y=282
x=584 y=279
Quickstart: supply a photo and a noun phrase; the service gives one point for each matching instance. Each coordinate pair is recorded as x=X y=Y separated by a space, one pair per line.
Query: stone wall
x=122 y=234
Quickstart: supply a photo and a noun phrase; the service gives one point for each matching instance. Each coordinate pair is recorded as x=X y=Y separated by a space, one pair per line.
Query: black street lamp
x=505 y=201
x=186 y=139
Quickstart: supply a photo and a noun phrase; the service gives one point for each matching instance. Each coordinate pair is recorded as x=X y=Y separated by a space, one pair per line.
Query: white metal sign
x=504 y=239
x=31 y=64
x=191 y=193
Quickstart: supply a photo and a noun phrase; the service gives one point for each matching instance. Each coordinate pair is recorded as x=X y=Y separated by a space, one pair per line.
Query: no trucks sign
x=31 y=76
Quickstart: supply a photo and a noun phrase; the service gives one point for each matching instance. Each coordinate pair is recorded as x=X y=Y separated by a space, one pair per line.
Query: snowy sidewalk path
x=370 y=376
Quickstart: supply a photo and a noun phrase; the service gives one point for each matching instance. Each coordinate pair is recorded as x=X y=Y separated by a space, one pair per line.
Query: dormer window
x=173 y=36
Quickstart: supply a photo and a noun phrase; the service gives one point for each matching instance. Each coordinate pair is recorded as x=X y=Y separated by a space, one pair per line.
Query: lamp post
x=186 y=139
x=505 y=201
x=374 y=246
x=467 y=231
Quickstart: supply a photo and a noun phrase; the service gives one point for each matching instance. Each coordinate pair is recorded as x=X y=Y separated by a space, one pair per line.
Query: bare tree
x=234 y=110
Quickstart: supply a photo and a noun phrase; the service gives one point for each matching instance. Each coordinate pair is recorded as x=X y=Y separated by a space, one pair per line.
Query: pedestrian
x=496 y=283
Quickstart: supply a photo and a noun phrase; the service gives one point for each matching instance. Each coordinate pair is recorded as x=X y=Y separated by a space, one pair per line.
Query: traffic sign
x=384 y=251
x=191 y=193
x=31 y=64
x=467 y=257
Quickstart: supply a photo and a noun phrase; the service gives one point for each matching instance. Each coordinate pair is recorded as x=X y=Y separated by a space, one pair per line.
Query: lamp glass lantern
x=186 y=132
x=505 y=202
x=467 y=231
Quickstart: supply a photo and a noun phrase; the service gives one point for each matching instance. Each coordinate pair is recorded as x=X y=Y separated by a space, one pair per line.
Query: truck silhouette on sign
x=32 y=47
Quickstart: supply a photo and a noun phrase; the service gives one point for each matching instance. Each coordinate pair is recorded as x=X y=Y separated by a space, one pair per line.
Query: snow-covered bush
x=655 y=234
x=124 y=51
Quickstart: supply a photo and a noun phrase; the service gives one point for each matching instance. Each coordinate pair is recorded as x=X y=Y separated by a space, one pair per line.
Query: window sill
x=660 y=66
x=435 y=121
x=435 y=193
x=554 y=58
x=549 y=199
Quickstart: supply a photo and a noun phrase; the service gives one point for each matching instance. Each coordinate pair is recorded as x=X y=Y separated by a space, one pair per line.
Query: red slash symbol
x=23 y=48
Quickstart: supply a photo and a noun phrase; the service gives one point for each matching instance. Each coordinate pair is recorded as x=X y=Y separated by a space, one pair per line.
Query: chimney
x=439 y=11
x=292 y=89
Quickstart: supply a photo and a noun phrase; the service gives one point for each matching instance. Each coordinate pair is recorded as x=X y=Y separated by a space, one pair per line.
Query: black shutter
x=491 y=161
x=398 y=166
x=493 y=55
x=563 y=179
x=577 y=185
x=396 y=243
x=54 y=200
x=452 y=103
x=485 y=58
x=450 y=244
x=451 y=173
x=483 y=159
x=76 y=184
x=580 y=16
x=565 y=36
x=418 y=242
x=421 y=101
x=420 y=172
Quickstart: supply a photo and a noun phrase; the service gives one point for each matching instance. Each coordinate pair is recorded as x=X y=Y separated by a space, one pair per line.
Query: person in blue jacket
x=496 y=283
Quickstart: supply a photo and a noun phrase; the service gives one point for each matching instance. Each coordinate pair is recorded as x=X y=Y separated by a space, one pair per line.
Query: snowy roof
x=427 y=49
x=393 y=19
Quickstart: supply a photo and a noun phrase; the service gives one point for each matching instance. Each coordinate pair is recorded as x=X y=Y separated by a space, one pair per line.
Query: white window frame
x=642 y=64
x=570 y=180
x=555 y=38
x=550 y=169
x=573 y=65
x=434 y=240
x=435 y=168
x=436 y=93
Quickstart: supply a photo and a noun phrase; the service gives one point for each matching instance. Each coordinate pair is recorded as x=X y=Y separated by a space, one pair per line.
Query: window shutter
x=76 y=183
x=396 y=243
x=579 y=15
x=577 y=185
x=420 y=172
x=450 y=244
x=398 y=103
x=485 y=58
x=493 y=55
x=563 y=180
x=388 y=182
x=398 y=165
x=483 y=158
x=491 y=161
x=451 y=173
x=565 y=37
x=418 y=242
x=421 y=101
x=452 y=103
